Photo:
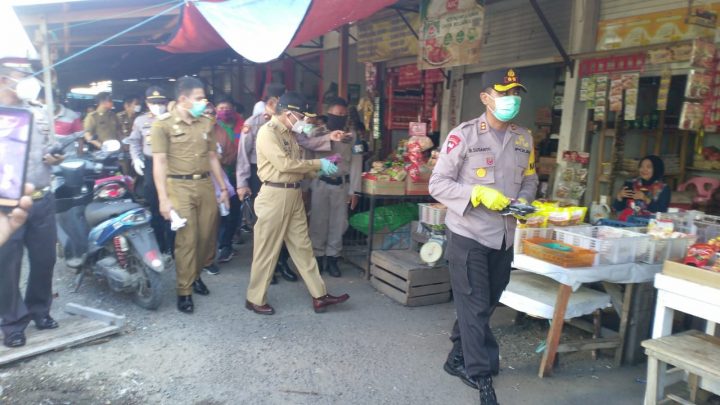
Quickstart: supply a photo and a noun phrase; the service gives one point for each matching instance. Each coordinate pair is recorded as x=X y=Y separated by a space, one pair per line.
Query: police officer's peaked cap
x=502 y=80
x=156 y=94
x=293 y=101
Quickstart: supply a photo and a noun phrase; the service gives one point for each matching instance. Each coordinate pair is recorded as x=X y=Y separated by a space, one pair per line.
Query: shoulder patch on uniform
x=164 y=116
x=452 y=142
x=483 y=126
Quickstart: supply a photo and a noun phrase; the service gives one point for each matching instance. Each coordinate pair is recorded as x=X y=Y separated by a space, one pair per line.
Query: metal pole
x=343 y=65
x=47 y=77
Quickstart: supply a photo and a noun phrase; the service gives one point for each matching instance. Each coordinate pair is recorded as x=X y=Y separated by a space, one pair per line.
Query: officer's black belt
x=282 y=185
x=189 y=176
x=335 y=181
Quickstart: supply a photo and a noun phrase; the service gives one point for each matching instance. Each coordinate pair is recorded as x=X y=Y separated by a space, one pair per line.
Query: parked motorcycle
x=103 y=233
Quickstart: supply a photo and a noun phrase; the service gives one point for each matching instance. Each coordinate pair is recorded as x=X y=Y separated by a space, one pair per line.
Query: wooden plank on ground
x=73 y=331
x=595 y=344
x=94 y=313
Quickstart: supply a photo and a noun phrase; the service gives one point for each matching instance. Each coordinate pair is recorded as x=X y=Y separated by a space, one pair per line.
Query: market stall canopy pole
x=261 y=30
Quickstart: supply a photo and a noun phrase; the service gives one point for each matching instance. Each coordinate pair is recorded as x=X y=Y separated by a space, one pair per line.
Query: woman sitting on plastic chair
x=646 y=194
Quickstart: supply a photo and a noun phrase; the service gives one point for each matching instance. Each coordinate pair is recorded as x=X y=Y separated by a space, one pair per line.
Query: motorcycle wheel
x=150 y=290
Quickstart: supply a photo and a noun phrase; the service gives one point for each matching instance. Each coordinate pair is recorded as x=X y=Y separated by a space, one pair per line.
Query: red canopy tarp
x=195 y=34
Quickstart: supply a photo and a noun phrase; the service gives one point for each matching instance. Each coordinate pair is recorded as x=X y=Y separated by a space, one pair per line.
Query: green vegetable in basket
x=557 y=246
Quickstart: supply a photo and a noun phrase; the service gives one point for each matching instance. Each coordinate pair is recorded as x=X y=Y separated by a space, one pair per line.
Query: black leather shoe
x=455 y=366
x=46 y=322
x=185 y=304
x=274 y=279
x=332 y=266
x=487 y=392
x=321 y=263
x=286 y=272
x=15 y=339
x=200 y=288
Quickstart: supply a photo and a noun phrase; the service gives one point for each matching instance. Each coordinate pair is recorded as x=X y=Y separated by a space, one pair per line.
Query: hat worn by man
x=502 y=80
x=156 y=94
x=293 y=101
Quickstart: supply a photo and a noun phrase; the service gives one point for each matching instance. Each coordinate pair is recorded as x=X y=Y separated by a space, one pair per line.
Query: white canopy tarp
x=15 y=44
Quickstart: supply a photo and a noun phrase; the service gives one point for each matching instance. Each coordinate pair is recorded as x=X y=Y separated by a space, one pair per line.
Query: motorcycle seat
x=97 y=212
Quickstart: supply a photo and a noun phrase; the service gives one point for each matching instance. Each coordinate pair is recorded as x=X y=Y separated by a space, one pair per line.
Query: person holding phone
x=38 y=235
x=647 y=193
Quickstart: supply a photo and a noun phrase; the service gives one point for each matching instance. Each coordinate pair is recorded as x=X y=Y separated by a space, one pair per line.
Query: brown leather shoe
x=320 y=304
x=259 y=309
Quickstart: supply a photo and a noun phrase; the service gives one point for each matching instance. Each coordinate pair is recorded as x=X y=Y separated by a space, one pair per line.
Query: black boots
x=285 y=271
x=332 y=266
x=321 y=263
x=455 y=366
x=487 y=392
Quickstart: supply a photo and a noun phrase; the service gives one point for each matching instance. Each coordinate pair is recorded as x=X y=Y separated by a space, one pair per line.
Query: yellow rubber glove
x=489 y=197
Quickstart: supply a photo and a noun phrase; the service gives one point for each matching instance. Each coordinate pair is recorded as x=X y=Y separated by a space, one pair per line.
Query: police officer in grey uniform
x=483 y=164
x=141 y=153
x=331 y=195
x=39 y=234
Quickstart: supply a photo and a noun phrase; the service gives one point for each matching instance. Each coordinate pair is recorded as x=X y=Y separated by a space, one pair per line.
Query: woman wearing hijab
x=646 y=194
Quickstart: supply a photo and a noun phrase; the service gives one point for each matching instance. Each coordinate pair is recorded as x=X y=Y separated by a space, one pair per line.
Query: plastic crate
x=522 y=234
x=660 y=250
x=615 y=223
x=432 y=214
x=613 y=245
x=644 y=221
x=707 y=228
x=577 y=257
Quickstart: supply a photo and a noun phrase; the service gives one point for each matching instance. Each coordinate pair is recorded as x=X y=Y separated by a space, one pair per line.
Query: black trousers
x=165 y=237
x=478 y=275
x=38 y=236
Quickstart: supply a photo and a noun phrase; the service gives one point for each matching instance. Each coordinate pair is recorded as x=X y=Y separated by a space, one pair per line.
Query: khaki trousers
x=195 y=201
x=328 y=217
x=281 y=218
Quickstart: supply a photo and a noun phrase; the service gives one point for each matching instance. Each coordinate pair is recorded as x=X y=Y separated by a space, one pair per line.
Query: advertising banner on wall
x=386 y=37
x=451 y=33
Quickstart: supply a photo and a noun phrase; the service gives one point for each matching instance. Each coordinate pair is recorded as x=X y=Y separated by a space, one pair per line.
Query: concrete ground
x=367 y=351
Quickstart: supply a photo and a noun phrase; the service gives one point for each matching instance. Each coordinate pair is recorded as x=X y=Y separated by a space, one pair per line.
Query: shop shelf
x=576 y=257
x=613 y=245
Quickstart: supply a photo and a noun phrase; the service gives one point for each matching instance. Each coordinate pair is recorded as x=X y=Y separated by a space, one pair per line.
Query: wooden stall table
x=570 y=280
x=702 y=301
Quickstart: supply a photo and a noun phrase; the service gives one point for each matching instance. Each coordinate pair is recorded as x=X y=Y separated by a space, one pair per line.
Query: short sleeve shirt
x=186 y=145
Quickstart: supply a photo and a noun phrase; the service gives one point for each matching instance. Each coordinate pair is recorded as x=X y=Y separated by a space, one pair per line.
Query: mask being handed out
x=336 y=122
x=28 y=89
x=157 y=109
x=198 y=108
x=506 y=107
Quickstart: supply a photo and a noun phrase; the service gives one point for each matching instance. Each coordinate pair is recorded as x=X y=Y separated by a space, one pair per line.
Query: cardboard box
x=418 y=187
x=382 y=187
x=694 y=274
x=546 y=165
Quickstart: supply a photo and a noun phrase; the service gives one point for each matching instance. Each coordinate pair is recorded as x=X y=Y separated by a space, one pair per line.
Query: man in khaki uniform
x=126 y=119
x=102 y=124
x=184 y=154
x=280 y=209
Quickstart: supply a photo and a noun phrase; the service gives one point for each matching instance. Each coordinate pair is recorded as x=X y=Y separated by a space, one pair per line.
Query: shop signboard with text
x=387 y=37
x=451 y=33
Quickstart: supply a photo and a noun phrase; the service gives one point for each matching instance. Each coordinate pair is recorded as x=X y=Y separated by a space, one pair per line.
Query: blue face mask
x=198 y=108
x=506 y=107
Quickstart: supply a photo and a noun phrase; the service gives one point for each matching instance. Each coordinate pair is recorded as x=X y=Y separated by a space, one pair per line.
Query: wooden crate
x=696 y=275
x=402 y=276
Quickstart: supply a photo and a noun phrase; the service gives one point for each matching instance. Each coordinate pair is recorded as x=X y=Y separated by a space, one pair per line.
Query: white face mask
x=137 y=108
x=28 y=88
x=298 y=126
x=157 y=109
